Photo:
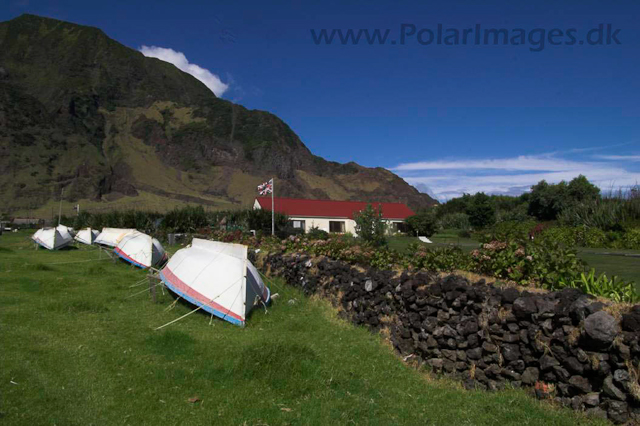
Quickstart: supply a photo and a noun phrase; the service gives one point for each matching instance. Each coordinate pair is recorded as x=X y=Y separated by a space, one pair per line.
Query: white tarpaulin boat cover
x=53 y=238
x=111 y=236
x=86 y=236
x=425 y=240
x=217 y=277
x=141 y=250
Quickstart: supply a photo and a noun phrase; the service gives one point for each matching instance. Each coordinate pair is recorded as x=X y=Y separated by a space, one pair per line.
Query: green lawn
x=76 y=350
x=625 y=267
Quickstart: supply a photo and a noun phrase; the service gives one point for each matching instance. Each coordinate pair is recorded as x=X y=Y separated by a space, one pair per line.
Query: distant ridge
x=112 y=127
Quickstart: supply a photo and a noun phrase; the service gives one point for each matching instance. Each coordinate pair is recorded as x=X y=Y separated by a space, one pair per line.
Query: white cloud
x=451 y=178
x=618 y=157
x=523 y=162
x=178 y=59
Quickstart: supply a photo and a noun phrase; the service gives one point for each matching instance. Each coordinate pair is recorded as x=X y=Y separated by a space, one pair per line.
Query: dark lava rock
x=524 y=307
x=449 y=354
x=547 y=362
x=493 y=370
x=574 y=365
x=580 y=384
x=435 y=363
x=561 y=373
x=489 y=347
x=546 y=306
x=596 y=412
x=453 y=282
x=601 y=328
x=624 y=350
x=474 y=353
x=595 y=307
x=449 y=366
x=405 y=346
x=509 y=295
x=621 y=376
x=473 y=340
x=611 y=390
x=431 y=342
x=530 y=375
x=591 y=399
x=468 y=327
x=631 y=320
x=576 y=403
x=618 y=411
x=443 y=316
x=510 y=338
x=510 y=352
x=578 y=309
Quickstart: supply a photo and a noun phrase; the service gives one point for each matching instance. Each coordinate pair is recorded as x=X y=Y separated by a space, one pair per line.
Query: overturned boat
x=87 y=236
x=111 y=236
x=216 y=277
x=141 y=250
x=53 y=238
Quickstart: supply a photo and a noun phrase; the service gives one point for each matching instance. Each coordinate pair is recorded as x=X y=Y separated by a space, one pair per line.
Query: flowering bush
x=439 y=259
x=528 y=262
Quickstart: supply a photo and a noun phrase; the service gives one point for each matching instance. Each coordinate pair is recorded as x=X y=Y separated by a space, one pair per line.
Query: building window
x=336 y=226
x=401 y=227
x=297 y=224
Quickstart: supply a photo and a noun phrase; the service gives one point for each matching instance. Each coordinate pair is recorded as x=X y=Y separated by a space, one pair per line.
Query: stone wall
x=565 y=345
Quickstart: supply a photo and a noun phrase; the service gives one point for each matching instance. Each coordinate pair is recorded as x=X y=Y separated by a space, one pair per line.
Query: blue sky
x=447 y=118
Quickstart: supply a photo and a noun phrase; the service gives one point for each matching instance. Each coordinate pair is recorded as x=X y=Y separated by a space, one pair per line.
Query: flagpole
x=273 y=213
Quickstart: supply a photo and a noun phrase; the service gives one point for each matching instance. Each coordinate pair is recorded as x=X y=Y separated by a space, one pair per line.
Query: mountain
x=113 y=128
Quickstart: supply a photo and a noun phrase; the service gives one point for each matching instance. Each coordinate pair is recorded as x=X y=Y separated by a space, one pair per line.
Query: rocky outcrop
x=565 y=344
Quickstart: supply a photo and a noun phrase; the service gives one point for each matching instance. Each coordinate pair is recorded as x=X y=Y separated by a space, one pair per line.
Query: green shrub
x=369 y=225
x=454 y=221
x=563 y=235
x=481 y=211
x=593 y=237
x=507 y=231
x=316 y=233
x=518 y=213
x=440 y=259
x=423 y=223
x=611 y=288
x=527 y=262
x=187 y=219
x=631 y=239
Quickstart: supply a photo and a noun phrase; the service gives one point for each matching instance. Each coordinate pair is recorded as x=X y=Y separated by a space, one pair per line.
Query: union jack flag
x=266 y=188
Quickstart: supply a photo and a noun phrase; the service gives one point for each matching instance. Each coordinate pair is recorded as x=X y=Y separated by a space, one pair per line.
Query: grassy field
x=77 y=349
x=625 y=267
x=441 y=239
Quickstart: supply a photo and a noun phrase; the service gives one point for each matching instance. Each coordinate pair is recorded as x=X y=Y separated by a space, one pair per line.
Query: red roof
x=328 y=208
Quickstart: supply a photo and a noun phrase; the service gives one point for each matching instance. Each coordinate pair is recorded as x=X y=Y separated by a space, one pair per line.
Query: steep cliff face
x=82 y=112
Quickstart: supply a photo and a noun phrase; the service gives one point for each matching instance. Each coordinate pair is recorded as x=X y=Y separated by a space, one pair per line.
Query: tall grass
x=616 y=211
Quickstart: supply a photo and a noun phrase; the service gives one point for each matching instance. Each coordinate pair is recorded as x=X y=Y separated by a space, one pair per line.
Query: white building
x=332 y=216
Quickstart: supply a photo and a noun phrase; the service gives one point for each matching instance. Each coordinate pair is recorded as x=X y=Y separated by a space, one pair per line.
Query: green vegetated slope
x=83 y=112
x=76 y=349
